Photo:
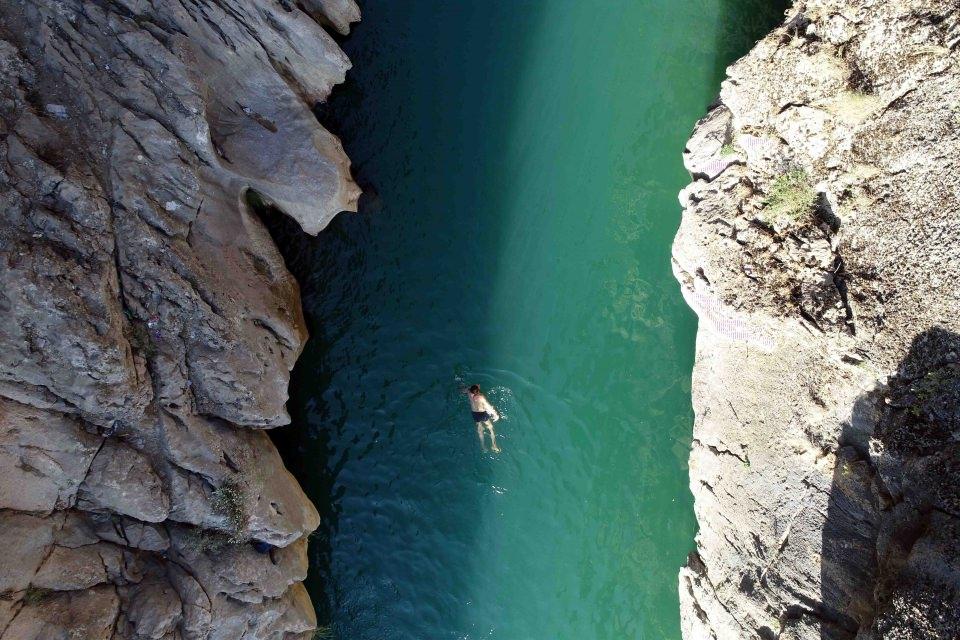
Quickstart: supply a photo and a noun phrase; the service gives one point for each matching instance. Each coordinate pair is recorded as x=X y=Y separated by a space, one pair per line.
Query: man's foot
x=495 y=449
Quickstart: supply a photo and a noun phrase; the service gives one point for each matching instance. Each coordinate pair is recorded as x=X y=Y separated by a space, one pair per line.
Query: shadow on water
x=890 y=557
x=303 y=446
x=742 y=24
x=371 y=406
x=376 y=422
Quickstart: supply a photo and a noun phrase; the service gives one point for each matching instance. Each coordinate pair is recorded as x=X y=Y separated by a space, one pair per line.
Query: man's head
x=475 y=389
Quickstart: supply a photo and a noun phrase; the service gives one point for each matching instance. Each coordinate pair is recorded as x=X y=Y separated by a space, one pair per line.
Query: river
x=521 y=163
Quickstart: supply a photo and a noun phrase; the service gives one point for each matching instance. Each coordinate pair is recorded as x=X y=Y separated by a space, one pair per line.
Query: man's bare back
x=484 y=415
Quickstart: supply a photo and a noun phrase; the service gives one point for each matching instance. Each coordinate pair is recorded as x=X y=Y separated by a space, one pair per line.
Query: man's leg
x=483 y=445
x=493 y=437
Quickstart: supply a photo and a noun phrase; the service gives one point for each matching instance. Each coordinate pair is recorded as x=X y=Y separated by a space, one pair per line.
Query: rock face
x=148 y=321
x=820 y=247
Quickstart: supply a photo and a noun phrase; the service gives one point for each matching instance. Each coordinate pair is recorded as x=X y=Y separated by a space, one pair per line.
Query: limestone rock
x=128 y=532
x=26 y=540
x=197 y=608
x=338 y=14
x=121 y=480
x=153 y=609
x=149 y=322
x=67 y=569
x=239 y=571
x=217 y=455
x=825 y=459
x=90 y=612
x=44 y=456
x=291 y=614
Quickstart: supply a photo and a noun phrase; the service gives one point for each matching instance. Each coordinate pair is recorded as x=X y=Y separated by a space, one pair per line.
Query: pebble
x=57 y=111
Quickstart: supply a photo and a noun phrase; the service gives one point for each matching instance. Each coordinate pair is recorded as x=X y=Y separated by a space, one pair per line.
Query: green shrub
x=728 y=150
x=140 y=339
x=204 y=540
x=230 y=501
x=35 y=595
x=791 y=197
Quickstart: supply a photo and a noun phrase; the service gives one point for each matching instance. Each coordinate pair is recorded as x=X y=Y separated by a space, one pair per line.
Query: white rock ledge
x=826 y=457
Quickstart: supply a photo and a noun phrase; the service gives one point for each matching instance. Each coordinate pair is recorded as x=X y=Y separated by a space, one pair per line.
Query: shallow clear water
x=521 y=162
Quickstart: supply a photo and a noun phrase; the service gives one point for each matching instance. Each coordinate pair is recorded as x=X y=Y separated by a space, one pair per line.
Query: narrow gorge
x=166 y=167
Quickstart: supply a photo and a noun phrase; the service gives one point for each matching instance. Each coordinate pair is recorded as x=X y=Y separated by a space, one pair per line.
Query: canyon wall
x=149 y=324
x=820 y=248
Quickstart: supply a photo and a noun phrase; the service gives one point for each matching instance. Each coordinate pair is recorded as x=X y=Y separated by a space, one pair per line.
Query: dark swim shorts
x=481 y=416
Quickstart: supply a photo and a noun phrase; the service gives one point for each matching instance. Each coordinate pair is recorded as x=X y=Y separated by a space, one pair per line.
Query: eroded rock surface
x=149 y=324
x=820 y=246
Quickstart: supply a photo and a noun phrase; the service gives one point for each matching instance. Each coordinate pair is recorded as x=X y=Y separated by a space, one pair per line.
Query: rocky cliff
x=820 y=248
x=148 y=321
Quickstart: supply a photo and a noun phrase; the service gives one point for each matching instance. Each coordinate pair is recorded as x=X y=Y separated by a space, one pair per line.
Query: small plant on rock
x=35 y=595
x=230 y=501
x=728 y=150
x=141 y=341
x=205 y=540
x=935 y=394
x=324 y=632
x=846 y=469
x=791 y=197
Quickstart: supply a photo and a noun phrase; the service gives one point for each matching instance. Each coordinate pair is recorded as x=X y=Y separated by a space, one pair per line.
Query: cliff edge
x=149 y=323
x=820 y=248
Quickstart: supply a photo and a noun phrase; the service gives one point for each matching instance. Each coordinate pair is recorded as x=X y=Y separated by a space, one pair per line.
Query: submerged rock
x=149 y=322
x=823 y=241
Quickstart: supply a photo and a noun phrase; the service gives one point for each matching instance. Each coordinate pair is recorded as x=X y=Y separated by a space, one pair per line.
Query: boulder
x=44 y=456
x=89 y=614
x=121 y=480
x=26 y=541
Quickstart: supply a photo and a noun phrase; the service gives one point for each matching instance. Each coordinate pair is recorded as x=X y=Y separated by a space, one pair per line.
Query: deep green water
x=521 y=162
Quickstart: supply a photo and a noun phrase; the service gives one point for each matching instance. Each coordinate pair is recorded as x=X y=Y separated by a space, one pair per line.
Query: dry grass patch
x=791 y=198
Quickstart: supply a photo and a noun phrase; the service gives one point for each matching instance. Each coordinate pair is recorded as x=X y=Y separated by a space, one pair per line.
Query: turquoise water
x=521 y=162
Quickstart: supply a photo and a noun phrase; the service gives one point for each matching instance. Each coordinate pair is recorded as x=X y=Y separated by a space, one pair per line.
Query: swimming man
x=484 y=414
